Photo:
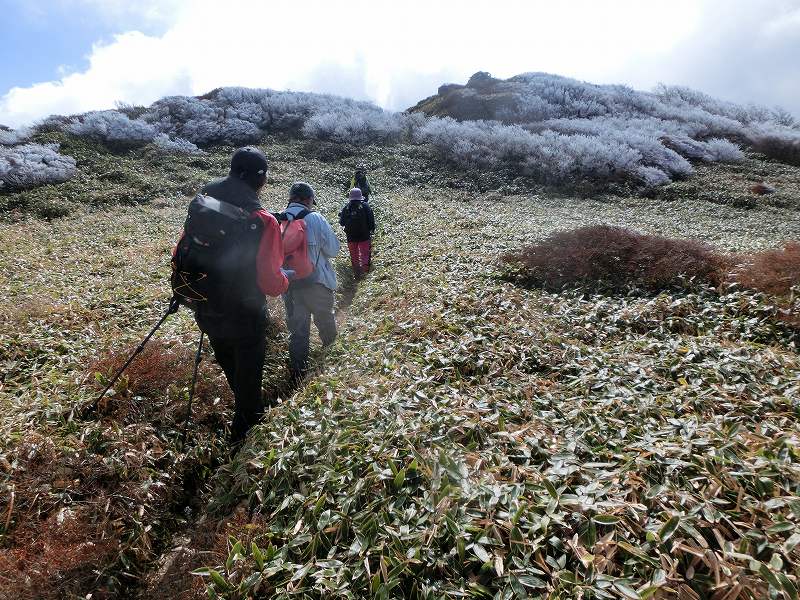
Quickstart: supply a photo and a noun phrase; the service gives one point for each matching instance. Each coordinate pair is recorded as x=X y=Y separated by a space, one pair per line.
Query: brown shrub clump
x=615 y=256
x=58 y=559
x=151 y=388
x=762 y=189
x=157 y=367
x=772 y=272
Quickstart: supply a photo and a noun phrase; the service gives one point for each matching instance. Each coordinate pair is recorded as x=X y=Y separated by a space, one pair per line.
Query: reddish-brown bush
x=773 y=271
x=59 y=558
x=762 y=189
x=160 y=367
x=615 y=256
x=153 y=371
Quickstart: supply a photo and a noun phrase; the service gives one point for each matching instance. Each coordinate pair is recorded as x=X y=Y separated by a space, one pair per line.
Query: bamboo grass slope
x=472 y=439
x=465 y=436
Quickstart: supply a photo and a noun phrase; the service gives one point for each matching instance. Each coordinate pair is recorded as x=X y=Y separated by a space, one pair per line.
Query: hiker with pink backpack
x=308 y=244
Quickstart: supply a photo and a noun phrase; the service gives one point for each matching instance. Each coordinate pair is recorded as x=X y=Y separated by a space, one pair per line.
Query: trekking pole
x=197 y=358
x=173 y=308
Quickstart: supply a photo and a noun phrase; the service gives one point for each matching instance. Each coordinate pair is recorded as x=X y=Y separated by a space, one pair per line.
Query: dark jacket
x=262 y=274
x=345 y=217
x=361 y=183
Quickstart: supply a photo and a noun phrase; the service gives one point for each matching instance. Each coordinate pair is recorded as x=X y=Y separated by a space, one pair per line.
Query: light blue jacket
x=322 y=245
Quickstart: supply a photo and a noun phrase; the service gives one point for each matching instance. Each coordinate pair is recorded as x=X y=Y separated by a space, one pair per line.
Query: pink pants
x=360 y=255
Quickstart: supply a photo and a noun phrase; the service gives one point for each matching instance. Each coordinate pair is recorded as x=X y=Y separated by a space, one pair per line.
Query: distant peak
x=481 y=80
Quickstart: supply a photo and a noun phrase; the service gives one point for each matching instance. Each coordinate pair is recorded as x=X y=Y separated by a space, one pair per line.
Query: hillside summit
x=552 y=129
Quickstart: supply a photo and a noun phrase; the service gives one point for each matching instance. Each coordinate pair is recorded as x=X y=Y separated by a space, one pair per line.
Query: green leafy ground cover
x=470 y=438
x=465 y=437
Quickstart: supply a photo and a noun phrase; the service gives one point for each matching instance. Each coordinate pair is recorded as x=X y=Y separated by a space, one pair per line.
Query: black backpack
x=356 y=220
x=214 y=268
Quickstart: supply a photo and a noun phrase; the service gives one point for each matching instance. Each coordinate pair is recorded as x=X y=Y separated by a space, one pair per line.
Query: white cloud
x=745 y=51
x=389 y=52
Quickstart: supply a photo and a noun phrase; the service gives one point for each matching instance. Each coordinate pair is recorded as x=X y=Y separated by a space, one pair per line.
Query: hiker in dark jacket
x=239 y=336
x=360 y=181
x=358 y=221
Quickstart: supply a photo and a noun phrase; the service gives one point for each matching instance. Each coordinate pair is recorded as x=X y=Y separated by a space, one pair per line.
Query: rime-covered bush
x=113 y=128
x=31 y=165
x=240 y=115
x=358 y=126
x=549 y=156
x=667 y=127
x=722 y=150
x=181 y=146
x=11 y=137
x=780 y=143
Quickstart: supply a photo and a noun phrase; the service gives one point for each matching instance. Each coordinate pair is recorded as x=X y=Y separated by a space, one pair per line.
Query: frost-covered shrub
x=722 y=150
x=113 y=128
x=667 y=127
x=780 y=143
x=132 y=111
x=31 y=165
x=10 y=137
x=549 y=156
x=240 y=115
x=651 y=177
x=164 y=142
x=357 y=127
x=228 y=131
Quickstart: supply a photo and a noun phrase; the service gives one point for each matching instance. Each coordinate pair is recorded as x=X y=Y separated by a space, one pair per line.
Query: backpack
x=356 y=221
x=295 y=243
x=213 y=266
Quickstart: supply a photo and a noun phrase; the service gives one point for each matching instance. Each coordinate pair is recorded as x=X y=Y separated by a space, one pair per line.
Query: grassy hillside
x=464 y=437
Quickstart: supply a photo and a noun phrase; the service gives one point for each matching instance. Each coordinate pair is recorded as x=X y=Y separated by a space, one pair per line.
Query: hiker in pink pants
x=358 y=221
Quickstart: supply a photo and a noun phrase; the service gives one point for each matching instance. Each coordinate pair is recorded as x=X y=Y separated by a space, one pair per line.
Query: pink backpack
x=295 y=243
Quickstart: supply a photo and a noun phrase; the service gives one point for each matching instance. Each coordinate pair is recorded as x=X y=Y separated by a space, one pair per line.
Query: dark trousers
x=301 y=304
x=242 y=359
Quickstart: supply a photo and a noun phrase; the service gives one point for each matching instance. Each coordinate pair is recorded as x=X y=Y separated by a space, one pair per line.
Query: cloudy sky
x=67 y=56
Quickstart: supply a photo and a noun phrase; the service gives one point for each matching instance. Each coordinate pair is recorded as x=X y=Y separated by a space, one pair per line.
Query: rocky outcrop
x=483 y=97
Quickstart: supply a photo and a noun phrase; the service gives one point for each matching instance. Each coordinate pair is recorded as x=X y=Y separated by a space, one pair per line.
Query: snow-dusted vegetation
x=555 y=129
x=665 y=129
x=10 y=137
x=31 y=165
x=168 y=144
x=113 y=128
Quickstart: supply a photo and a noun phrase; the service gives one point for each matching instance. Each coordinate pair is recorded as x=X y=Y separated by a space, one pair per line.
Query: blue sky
x=66 y=56
x=40 y=41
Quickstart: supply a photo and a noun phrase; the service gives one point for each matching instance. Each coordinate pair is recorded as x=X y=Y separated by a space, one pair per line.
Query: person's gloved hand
x=288 y=273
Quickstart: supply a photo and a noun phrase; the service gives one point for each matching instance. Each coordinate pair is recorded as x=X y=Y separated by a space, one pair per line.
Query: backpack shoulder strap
x=286 y=216
x=204 y=202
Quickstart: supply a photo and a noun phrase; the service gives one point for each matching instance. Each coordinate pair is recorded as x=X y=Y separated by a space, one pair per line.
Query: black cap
x=249 y=160
x=301 y=190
